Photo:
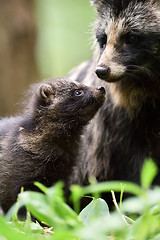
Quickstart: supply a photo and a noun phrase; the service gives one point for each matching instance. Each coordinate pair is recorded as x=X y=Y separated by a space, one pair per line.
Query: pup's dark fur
x=42 y=144
x=127 y=57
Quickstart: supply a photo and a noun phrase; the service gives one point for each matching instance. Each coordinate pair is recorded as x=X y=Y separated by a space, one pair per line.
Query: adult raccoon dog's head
x=128 y=36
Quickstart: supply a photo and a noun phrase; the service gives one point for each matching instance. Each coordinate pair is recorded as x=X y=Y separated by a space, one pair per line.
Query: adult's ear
x=45 y=91
x=92 y=2
x=99 y=4
x=96 y=2
x=154 y=1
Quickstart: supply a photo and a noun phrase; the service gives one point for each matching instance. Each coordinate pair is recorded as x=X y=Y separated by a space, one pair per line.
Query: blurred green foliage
x=137 y=218
x=64 y=39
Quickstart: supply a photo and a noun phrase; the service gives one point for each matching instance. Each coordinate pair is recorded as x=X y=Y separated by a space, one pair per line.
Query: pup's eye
x=102 y=40
x=78 y=92
x=131 y=38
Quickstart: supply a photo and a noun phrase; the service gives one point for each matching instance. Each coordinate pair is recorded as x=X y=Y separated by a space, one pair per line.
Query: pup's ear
x=45 y=91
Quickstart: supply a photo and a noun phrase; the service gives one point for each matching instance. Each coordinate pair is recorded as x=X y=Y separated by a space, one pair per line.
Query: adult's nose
x=103 y=72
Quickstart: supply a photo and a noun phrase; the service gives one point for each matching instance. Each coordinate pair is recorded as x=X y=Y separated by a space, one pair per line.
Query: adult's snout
x=103 y=72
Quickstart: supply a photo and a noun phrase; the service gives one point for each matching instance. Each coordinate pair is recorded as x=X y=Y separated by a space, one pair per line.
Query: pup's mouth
x=98 y=98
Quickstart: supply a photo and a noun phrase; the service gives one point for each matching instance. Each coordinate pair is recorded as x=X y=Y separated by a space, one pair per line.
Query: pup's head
x=128 y=36
x=69 y=102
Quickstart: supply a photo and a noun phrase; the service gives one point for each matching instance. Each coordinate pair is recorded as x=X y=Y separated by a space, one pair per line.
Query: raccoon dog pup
x=42 y=144
x=127 y=58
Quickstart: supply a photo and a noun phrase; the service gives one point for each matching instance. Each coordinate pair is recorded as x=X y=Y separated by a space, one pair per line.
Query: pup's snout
x=103 y=72
x=102 y=89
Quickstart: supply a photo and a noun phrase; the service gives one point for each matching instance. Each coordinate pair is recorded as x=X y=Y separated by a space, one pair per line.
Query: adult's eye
x=78 y=92
x=131 y=38
x=102 y=40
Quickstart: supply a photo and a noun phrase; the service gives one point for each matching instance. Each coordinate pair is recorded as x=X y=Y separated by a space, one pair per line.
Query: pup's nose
x=103 y=72
x=102 y=89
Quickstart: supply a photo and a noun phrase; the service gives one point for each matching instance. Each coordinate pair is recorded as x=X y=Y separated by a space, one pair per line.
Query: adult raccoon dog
x=126 y=130
x=42 y=144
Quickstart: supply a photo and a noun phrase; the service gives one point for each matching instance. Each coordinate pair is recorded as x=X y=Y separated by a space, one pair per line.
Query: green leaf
x=76 y=194
x=55 y=193
x=153 y=196
x=50 y=208
x=145 y=227
x=9 y=233
x=148 y=173
x=56 y=201
x=98 y=208
x=66 y=235
x=40 y=186
x=38 y=206
x=134 y=205
x=101 y=227
x=113 y=185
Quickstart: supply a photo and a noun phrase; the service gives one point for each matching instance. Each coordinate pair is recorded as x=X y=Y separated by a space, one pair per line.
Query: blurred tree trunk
x=17 y=46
